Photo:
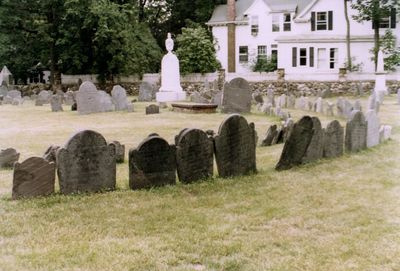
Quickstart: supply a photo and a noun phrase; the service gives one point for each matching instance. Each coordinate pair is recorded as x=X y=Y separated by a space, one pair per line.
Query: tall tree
x=348 y=45
x=376 y=11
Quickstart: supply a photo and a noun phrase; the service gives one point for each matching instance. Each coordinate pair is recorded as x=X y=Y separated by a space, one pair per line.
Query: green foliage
x=392 y=52
x=265 y=64
x=354 y=66
x=196 y=51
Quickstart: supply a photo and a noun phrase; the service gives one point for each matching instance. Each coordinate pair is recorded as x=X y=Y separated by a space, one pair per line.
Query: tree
x=196 y=51
x=375 y=11
x=392 y=52
x=348 y=45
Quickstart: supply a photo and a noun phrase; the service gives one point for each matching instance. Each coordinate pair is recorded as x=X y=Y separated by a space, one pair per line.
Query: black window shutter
x=330 y=20
x=393 y=18
x=312 y=21
x=294 y=57
x=311 y=56
x=373 y=24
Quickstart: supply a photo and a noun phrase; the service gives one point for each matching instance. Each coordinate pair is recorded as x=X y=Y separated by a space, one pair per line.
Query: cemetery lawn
x=339 y=214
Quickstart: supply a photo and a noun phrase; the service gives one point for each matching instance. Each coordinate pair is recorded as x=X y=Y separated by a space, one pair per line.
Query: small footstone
x=152 y=109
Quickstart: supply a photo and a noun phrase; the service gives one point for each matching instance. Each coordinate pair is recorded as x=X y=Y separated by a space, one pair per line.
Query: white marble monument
x=170 y=89
x=380 y=79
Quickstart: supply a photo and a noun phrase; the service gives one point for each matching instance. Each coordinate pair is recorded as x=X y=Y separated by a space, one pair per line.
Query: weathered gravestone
x=152 y=163
x=258 y=98
x=120 y=99
x=14 y=94
x=217 y=98
x=340 y=106
x=302 y=103
x=270 y=135
x=69 y=98
x=291 y=101
x=50 y=154
x=3 y=89
x=266 y=108
x=105 y=103
x=347 y=110
x=357 y=105
x=196 y=97
x=297 y=144
x=88 y=98
x=333 y=140
x=398 y=96
x=8 y=157
x=316 y=147
x=236 y=97
x=152 y=109
x=329 y=108
x=119 y=151
x=194 y=155
x=282 y=102
x=146 y=92
x=43 y=98
x=34 y=177
x=373 y=128
x=271 y=96
x=385 y=132
x=235 y=147
x=56 y=103
x=356 y=133
x=319 y=105
x=86 y=164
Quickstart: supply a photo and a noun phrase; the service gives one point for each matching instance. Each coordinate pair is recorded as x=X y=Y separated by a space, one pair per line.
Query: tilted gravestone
x=119 y=98
x=86 y=164
x=235 y=147
x=8 y=157
x=297 y=144
x=152 y=163
x=34 y=177
x=333 y=140
x=316 y=147
x=356 y=133
x=194 y=156
x=105 y=103
x=236 y=97
x=373 y=128
x=270 y=135
x=152 y=109
x=88 y=98
x=50 y=154
x=146 y=92
x=56 y=103
x=119 y=151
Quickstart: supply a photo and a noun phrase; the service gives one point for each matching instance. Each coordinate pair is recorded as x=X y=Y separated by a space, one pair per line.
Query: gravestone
x=50 y=154
x=372 y=102
x=152 y=109
x=86 y=164
x=34 y=177
x=17 y=101
x=316 y=147
x=196 y=97
x=14 y=94
x=119 y=151
x=385 y=132
x=3 y=89
x=357 y=105
x=235 y=147
x=302 y=103
x=297 y=144
x=287 y=129
x=271 y=96
x=282 y=101
x=105 y=103
x=356 y=133
x=56 y=103
x=373 y=128
x=270 y=135
x=291 y=101
x=217 y=98
x=194 y=156
x=348 y=108
x=340 y=106
x=236 y=97
x=152 y=163
x=146 y=92
x=398 y=96
x=119 y=98
x=88 y=99
x=319 y=105
x=258 y=98
x=329 y=109
x=69 y=98
x=266 y=108
x=333 y=140
x=8 y=157
x=43 y=98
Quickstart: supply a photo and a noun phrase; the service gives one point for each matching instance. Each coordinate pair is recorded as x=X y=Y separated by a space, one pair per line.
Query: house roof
x=220 y=13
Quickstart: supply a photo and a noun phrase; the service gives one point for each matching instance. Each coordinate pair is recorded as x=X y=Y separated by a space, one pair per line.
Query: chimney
x=231 y=10
x=231 y=35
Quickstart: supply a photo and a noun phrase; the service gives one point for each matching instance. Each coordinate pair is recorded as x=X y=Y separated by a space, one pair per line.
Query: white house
x=306 y=36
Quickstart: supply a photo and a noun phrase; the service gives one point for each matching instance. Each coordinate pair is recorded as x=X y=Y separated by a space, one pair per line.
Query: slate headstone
x=356 y=133
x=270 y=135
x=105 y=102
x=329 y=109
x=333 y=140
x=152 y=109
x=194 y=156
x=146 y=92
x=8 y=157
x=88 y=98
x=385 y=133
x=236 y=97
x=119 y=151
x=235 y=147
x=315 y=149
x=373 y=128
x=152 y=163
x=86 y=164
x=69 y=98
x=34 y=177
x=119 y=98
x=56 y=103
x=50 y=154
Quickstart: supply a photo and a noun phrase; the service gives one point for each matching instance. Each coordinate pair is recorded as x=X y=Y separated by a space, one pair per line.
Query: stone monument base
x=170 y=96
x=194 y=107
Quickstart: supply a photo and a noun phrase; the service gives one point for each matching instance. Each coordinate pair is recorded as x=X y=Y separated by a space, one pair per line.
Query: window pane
x=275 y=23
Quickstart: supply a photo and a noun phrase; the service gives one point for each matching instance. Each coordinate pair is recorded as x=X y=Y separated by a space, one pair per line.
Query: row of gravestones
x=308 y=141
x=88 y=164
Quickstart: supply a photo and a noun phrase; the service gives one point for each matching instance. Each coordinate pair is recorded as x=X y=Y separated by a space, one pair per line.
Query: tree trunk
x=377 y=44
x=346 y=15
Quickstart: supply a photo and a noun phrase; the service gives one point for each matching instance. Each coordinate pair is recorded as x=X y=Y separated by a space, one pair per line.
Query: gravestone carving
x=34 y=177
x=235 y=147
x=236 y=97
x=86 y=164
x=333 y=140
x=356 y=133
x=194 y=156
x=152 y=163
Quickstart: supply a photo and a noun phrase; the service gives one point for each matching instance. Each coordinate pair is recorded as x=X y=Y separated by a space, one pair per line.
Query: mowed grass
x=340 y=214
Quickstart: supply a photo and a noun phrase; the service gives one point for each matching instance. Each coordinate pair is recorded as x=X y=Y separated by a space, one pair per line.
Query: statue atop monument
x=169 y=43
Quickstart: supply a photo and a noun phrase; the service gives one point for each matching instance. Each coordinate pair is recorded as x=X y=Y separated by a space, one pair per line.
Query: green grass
x=339 y=214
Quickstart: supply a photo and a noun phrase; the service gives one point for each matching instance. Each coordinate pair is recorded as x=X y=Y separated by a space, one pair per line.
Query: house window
x=286 y=22
x=262 y=52
x=243 y=54
x=385 y=22
x=303 y=57
x=333 y=53
x=254 y=25
x=275 y=22
x=321 y=21
x=321 y=58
